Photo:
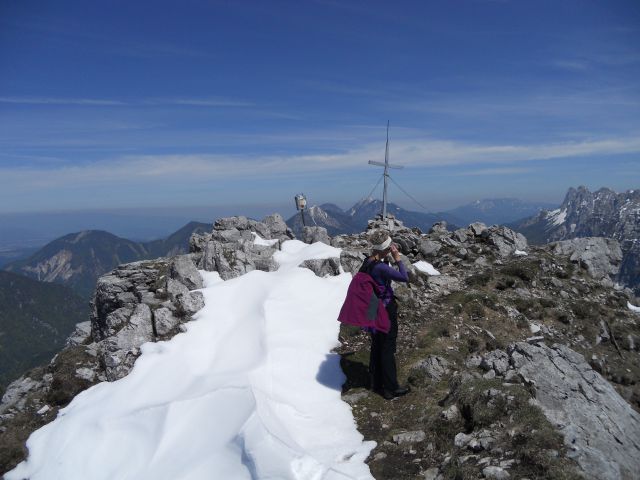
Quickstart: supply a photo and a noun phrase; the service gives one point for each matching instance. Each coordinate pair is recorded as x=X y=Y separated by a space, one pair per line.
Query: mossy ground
x=476 y=319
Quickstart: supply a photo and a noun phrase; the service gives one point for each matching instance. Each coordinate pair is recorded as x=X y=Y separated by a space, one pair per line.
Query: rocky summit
x=523 y=360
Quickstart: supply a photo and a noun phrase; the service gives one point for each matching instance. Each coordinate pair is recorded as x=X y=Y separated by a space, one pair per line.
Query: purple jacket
x=383 y=274
x=363 y=306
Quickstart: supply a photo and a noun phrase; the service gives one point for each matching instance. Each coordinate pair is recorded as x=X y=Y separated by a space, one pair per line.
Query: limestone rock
x=410 y=437
x=80 y=335
x=450 y=414
x=190 y=303
x=182 y=269
x=315 y=234
x=165 y=320
x=600 y=428
x=351 y=261
x=174 y=288
x=477 y=228
x=600 y=257
x=497 y=360
x=323 y=267
x=16 y=394
x=429 y=248
x=505 y=240
x=439 y=228
x=118 y=352
x=433 y=367
x=496 y=473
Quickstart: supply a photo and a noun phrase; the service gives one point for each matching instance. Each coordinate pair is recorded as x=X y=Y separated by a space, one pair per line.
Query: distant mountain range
x=498 y=211
x=489 y=211
x=355 y=219
x=78 y=259
x=603 y=213
x=35 y=320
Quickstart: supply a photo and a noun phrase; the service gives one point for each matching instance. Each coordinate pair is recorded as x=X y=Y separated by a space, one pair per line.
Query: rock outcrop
x=238 y=245
x=600 y=257
x=603 y=213
x=600 y=429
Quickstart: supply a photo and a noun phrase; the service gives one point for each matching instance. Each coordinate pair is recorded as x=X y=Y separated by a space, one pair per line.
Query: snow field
x=249 y=391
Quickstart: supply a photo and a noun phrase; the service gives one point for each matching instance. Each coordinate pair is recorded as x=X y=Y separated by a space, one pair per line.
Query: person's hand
x=395 y=253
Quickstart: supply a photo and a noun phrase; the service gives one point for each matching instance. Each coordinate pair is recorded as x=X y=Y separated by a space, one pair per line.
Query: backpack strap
x=368 y=265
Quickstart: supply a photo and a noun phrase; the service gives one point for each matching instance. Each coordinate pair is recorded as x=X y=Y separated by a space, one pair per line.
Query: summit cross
x=386 y=166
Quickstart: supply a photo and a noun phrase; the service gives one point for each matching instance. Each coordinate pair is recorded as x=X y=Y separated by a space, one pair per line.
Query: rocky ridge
x=603 y=213
x=471 y=342
x=523 y=360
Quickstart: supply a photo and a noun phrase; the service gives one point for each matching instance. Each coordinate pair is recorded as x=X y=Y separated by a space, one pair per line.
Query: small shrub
x=479 y=279
x=524 y=304
x=562 y=316
x=473 y=345
x=547 y=302
x=506 y=282
x=586 y=310
x=525 y=271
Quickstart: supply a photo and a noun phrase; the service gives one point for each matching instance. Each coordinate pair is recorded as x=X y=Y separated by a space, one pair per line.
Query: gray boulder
x=189 y=303
x=351 y=261
x=182 y=269
x=600 y=257
x=323 y=267
x=601 y=430
x=505 y=240
x=439 y=228
x=429 y=248
x=433 y=367
x=174 y=288
x=165 y=321
x=118 y=352
x=497 y=360
x=315 y=234
x=477 y=228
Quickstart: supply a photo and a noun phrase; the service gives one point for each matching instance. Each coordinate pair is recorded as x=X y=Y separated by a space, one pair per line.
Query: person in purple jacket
x=382 y=361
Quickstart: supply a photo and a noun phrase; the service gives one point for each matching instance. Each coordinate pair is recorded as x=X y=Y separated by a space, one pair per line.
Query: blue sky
x=240 y=104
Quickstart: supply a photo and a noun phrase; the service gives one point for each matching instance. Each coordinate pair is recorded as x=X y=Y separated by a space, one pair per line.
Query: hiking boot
x=398 y=392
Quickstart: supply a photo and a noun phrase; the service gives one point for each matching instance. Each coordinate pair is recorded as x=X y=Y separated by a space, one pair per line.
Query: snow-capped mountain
x=603 y=213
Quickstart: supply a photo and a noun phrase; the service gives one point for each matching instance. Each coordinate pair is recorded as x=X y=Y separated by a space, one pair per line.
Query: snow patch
x=294 y=252
x=557 y=216
x=520 y=252
x=249 y=391
x=426 y=267
x=258 y=240
x=633 y=308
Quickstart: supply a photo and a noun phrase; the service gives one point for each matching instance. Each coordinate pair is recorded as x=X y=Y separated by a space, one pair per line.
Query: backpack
x=362 y=306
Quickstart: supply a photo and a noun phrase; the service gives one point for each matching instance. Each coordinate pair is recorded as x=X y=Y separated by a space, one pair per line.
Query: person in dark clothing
x=382 y=361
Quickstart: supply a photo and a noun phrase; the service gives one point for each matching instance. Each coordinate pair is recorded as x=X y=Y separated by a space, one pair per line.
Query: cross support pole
x=386 y=166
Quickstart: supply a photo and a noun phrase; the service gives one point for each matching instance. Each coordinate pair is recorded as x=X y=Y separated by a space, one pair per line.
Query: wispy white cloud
x=495 y=171
x=98 y=102
x=93 y=102
x=164 y=169
x=199 y=102
x=571 y=64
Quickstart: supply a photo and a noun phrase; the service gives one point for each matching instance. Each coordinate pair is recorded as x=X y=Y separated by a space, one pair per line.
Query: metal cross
x=386 y=166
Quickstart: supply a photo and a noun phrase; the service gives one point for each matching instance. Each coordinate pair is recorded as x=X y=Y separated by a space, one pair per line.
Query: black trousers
x=382 y=361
